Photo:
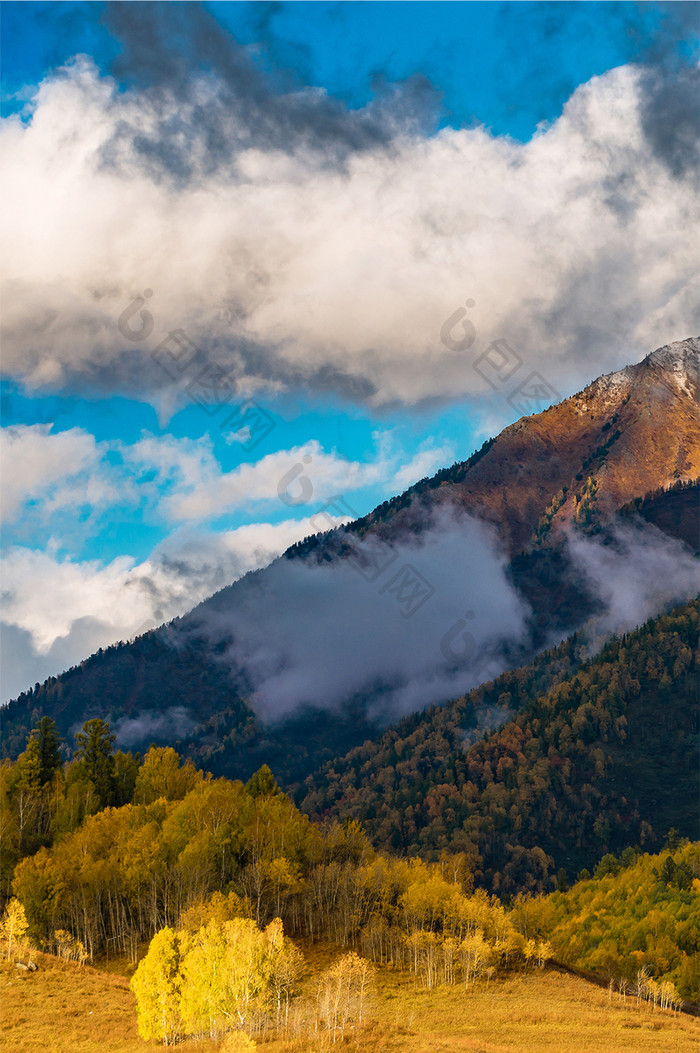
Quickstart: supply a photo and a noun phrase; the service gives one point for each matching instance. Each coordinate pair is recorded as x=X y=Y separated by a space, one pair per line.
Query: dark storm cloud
x=165 y=47
x=671 y=119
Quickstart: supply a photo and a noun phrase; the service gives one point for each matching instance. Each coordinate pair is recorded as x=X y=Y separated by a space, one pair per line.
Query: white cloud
x=56 y=469
x=641 y=572
x=430 y=626
x=180 y=479
x=58 y=610
x=301 y=477
x=578 y=247
x=45 y=595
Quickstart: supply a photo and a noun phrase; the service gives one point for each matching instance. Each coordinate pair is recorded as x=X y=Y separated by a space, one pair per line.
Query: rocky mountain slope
x=634 y=431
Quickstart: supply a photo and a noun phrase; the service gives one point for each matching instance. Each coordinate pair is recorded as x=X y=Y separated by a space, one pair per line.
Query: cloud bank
x=397 y=627
x=637 y=571
x=58 y=610
x=297 y=243
x=64 y=487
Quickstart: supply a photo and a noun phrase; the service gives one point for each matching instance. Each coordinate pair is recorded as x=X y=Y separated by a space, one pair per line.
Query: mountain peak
x=679 y=366
x=628 y=434
x=681 y=362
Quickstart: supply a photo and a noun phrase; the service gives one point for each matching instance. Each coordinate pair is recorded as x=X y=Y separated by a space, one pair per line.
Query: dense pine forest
x=600 y=754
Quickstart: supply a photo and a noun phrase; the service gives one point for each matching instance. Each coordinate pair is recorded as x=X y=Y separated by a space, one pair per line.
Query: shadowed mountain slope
x=600 y=756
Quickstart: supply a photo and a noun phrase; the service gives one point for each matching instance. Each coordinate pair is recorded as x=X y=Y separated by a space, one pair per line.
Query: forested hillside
x=596 y=759
x=635 y=921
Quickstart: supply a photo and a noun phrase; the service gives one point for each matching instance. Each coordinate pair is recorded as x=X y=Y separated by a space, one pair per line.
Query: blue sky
x=508 y=66
x=321 y=197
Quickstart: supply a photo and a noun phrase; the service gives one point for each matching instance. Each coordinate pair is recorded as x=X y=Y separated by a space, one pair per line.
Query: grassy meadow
x=65 y=1008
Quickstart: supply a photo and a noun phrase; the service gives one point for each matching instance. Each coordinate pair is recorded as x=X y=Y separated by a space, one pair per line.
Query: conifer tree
x=49 y=748
x=95 y=751
x=262 y=783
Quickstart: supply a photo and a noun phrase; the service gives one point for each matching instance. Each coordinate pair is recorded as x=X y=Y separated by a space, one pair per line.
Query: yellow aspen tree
x=530 y=951
x=227 y=975
x=284 y=965
x=14 y=924
x=156 y=984
x=342 y=993
x=206 y=1002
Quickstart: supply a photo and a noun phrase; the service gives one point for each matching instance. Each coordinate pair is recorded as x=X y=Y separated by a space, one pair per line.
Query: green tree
x=668 y=870
x=25 y=790
x=95 y=752
x=49 y=748
x=262 y=783
x=28 y=768
x=156 y=984
x=126 y=771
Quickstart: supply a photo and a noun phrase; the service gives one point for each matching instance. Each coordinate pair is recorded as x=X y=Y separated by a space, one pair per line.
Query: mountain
x=601 y=755
x=629 y=437
x=634 y=431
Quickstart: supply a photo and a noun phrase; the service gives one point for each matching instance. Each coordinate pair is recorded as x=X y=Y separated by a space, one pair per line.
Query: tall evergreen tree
x=262 y=783
x=49 y=748
x=95 y=752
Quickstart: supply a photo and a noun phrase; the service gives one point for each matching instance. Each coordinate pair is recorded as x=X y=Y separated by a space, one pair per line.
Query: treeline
x=43 y=798
x=331 y=543
x=651 y=497
x=127 y=872
x=673 y=509
x=635 y=922
x=599 y=756
x=169 y=689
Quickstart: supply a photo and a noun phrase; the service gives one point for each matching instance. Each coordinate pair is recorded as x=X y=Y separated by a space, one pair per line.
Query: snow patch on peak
x=680 y=362
x=606 y=391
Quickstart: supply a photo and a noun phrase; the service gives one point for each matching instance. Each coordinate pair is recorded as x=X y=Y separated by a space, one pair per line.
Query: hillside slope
x=72 y=1010
x=634 y=430
x=598 y=758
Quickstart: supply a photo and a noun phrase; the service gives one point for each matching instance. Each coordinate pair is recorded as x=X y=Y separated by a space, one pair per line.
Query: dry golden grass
x=65 y=1009
x=546 y=1011
x=541 y=1012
